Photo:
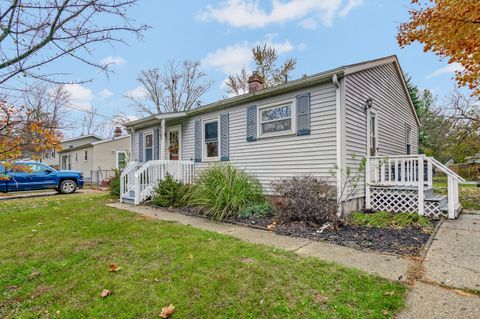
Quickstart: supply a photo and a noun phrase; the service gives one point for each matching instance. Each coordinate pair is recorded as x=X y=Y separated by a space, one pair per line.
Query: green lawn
x=469 y=193
x=71 y=240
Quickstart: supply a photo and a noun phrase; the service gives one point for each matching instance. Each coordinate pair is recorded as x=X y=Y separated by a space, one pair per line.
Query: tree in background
x=265 y=58
x=450 y=29
x=178 y=87
x=36 y=33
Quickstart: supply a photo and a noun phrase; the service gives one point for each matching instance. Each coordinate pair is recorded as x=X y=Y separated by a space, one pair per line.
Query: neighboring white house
x=96 y=159
x=307 y=126
x=52 y=158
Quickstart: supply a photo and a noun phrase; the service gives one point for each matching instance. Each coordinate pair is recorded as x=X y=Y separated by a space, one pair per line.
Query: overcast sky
x=320 y=34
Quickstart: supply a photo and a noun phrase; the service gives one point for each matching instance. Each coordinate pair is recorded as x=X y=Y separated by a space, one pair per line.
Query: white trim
x=145 y=133
x=206 y=120
x=177 y=128
x=338 y=133
x=116 y=157
x=293 y=116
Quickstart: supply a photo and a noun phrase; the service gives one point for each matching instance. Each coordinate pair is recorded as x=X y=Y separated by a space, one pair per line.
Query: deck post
x=367 y=183
x=421 y=176
x=429 y=173
x=163 y=142
x=451 y=197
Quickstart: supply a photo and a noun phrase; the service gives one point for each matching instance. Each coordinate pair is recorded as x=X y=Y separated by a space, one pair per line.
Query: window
x=408 y=139
x=148 y=147
x=85 y=155
x=121 y=159
x=276 y=119
x=76 y=157
x=210 y=139
x=53 y=154
x=37 y=168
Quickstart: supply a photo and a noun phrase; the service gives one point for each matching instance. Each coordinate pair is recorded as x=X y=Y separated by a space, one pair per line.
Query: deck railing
x=151 y=173
x=413 y=171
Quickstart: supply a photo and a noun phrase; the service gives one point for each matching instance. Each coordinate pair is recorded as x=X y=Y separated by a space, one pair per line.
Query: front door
x=173 y=143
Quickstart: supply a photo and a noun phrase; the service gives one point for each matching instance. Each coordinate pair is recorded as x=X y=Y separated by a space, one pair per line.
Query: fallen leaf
x=385 y=312
x=105 y=293
x=34 y=275
x=462 y=293
x=114 y=268
x=167 y=311
x=389 y=293
x=190 y=256
x=272 y=226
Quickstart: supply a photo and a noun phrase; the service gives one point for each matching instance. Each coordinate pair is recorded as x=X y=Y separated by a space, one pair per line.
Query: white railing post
x=421 y=194
x=137 y=189
x=368 y=172
x=451 y=197
x=429 y=172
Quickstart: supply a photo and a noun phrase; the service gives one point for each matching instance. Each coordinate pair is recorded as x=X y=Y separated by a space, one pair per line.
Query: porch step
x=129 y=198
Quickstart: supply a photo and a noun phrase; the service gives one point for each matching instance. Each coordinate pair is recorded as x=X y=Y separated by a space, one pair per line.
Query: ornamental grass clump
x=223 y=191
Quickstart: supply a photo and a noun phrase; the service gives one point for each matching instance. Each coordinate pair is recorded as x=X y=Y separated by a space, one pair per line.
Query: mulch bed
x=407 y=241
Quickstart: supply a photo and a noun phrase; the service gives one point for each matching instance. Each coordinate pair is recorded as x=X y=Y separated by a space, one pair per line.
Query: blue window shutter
x=303 y=114
x=156 y=141
x=198 y=141
x=252 y=123
x=140 y=147
x=224 y=137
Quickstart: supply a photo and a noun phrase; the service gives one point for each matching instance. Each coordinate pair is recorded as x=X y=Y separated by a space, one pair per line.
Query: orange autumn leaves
x=166 y=311
x=451 y=30
x=22 y=135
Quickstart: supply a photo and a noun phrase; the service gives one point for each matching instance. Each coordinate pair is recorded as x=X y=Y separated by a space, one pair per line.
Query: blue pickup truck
x=39 y=176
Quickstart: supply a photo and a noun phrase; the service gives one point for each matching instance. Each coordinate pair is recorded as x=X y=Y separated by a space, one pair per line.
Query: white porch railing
x=127 y=179
x=147 y=177
x=414 y=171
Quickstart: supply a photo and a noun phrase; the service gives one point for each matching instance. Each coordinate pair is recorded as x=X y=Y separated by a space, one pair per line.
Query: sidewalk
x=387 y=266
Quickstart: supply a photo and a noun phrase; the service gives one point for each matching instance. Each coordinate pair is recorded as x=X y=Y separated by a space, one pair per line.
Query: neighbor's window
x=85 y=156
x=408 y=138
x=276 y=119
x=121 y=160
x=76 y=157
x=210 y=134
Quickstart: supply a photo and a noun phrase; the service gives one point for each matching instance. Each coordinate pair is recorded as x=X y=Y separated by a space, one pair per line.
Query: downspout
x=339 y=162
x=132 y=145
x=163 y=143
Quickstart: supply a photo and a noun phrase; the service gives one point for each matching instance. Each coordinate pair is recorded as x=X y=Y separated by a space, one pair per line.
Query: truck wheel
x=68 y=186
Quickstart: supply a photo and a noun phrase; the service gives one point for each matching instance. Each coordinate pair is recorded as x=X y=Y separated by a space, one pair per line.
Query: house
x=311 y=126
x=95 y=157
x=52 y=157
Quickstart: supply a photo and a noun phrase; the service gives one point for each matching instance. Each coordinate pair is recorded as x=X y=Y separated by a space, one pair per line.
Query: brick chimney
x=117 y=132
x=255 y=82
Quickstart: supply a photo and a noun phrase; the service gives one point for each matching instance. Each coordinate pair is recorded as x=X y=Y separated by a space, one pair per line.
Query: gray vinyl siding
x=390 y=101
x=274 y=158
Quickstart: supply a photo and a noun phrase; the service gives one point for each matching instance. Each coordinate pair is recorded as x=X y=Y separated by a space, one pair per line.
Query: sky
x=320 y=34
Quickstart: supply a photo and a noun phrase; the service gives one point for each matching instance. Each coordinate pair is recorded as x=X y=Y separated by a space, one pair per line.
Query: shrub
x=307 y=199
x=223 y=191
x=384 y=219
x=169 y=192
x=259 y=210
x=114 y=184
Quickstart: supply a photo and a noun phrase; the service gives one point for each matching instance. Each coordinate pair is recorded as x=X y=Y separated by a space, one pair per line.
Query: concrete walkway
x=387 y=266
x=452 y=263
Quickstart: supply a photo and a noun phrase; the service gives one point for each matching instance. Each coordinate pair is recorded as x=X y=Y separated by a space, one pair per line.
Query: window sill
x=278 y=134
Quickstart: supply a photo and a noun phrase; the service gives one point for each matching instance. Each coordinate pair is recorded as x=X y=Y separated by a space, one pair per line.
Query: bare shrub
x=307 y=199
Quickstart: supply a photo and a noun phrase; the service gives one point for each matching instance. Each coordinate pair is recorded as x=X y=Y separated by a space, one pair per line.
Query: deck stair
x=405 y=184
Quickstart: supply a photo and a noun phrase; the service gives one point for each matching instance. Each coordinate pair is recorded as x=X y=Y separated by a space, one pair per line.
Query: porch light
x=368 y=103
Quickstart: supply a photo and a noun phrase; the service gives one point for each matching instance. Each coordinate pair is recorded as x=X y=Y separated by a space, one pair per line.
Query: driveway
x=452 y=273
